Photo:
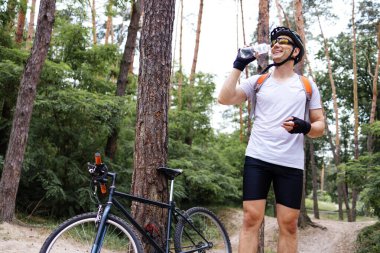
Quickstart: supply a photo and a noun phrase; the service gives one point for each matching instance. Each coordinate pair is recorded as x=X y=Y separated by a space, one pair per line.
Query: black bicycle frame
x=171 y=210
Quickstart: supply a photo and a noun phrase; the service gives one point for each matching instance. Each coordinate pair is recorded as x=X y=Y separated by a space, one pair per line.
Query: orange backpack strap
x=307 y=87
x=261 y=80
x=308 y=91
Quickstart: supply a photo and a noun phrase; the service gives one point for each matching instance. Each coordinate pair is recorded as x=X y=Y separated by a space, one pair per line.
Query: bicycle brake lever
x=91 y=168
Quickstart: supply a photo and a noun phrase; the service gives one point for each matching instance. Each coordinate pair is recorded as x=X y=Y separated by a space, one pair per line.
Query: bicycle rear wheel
x=78 y=233
x=208 y=225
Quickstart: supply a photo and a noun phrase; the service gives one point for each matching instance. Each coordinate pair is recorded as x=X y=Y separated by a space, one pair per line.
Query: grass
x=329 y=211
x=323 y=206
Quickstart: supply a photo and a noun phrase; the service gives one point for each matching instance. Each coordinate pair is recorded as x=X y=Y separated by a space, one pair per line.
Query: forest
x=85 y=76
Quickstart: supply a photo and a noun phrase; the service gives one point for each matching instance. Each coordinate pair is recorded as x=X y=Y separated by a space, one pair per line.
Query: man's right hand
x=240 y=63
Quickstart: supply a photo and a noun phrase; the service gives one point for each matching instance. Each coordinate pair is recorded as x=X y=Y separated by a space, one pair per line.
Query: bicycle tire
x=186 y=239
x=77 y=234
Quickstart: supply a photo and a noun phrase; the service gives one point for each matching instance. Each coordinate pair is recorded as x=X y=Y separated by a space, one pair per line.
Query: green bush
x=368 y=240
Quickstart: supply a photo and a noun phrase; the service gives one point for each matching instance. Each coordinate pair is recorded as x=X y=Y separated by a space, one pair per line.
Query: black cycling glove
x=300 y=126
x=240 y=63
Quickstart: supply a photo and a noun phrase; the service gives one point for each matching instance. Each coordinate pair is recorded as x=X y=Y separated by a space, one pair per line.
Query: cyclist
x=275 y=148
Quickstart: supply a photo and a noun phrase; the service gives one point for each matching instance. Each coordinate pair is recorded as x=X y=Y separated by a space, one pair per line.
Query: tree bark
x=180 y=78
x=29 y=37
x=22 y=115
x=21 y=21
x=197 y=39
x=249 y=106
x=314 y=179
x=241 y=120
x=151 y=142
x=125 y=64
x=279 y=15
x=371 y=137
x=356 y=107
x=262 y=63
x=300 y=28
x=93 y=20
x=341 y=196
x=189 y=136
x=109 y=21
x=303 y=219
x=263 y=32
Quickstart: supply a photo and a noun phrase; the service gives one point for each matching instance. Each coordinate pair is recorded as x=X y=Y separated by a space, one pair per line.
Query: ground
x=339 y=237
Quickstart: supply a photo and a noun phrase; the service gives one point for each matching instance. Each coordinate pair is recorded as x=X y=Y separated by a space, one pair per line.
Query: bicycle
x=197 y=229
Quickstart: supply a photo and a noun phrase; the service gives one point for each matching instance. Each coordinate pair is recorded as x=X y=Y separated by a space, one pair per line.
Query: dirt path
x=338 y=238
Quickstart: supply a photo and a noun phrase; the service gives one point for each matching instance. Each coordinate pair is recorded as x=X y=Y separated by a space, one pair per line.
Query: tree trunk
x=261 y=245
x=189 y=137
x=314 y=179
x=371 y=137
x=108 y=29
x=21 y=21
x=22 y=115
x=355 y=194
x=323 y=178
x=356 y=109
x=196 y=48
x=93 y=20
x=109 y=21
x=262 y=63
x=263 y=32
x=241 y=120
x=10 y=15
x=29 y=37
x=287 y=21
x=180 y=79
x=279 y=15
x=122 y=80
x=151 y=142
x=303 y=219
x=112 y=32
x=300 y=28
x=336 y=152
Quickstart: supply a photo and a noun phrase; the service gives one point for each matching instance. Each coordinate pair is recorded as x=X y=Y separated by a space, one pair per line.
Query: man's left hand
x=296 y=125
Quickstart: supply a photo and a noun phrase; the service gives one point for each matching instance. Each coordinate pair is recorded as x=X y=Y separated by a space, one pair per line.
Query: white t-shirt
x=269 y=141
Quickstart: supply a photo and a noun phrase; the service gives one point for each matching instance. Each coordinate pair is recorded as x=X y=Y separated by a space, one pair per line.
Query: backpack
x=306 y=86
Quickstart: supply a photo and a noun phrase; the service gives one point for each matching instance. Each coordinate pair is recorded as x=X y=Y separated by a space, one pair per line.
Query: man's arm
x=231 y=94
x=317 y=123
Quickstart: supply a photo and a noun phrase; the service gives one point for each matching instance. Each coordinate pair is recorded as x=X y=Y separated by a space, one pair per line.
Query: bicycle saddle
x=170 y=173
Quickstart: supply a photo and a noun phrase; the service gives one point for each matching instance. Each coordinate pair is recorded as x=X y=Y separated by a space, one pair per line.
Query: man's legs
x=287 y=219
x=253 y=216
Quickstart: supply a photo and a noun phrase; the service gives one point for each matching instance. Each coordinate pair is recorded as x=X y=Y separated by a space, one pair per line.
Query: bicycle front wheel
x=201 y=230
x=78 y=234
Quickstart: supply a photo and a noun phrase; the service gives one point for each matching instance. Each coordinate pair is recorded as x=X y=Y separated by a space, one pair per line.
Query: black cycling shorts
x=287 y=182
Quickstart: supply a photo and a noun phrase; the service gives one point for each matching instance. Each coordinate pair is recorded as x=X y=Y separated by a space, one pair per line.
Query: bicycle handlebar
x=98 y=172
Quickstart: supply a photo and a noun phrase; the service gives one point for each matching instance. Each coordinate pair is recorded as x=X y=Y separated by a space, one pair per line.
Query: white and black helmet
x=294 y=36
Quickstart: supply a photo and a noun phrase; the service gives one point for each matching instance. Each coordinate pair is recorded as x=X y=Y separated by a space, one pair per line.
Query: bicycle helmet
x=276 y=32
x=293 y=35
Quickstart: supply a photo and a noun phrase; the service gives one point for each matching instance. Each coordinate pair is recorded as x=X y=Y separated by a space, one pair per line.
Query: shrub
x=368 y=240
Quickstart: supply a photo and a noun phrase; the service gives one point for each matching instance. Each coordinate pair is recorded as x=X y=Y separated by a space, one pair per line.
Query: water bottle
x=249 y=52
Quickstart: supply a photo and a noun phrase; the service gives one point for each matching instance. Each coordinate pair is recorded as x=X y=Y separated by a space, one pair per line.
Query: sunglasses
x=281 y=41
